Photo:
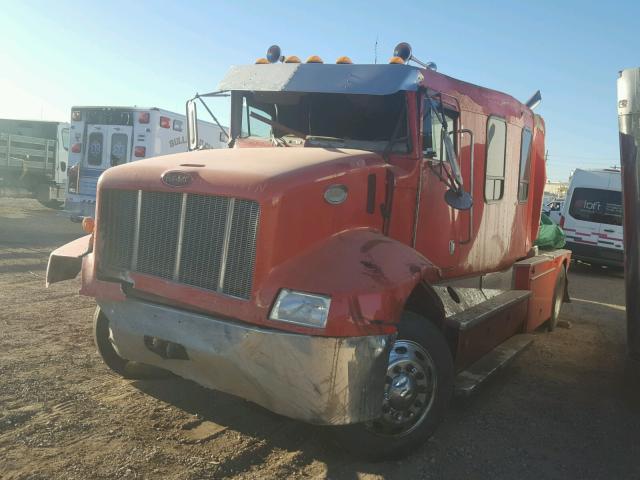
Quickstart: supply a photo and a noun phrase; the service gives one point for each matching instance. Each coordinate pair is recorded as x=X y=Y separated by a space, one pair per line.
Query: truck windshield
x=366 y=122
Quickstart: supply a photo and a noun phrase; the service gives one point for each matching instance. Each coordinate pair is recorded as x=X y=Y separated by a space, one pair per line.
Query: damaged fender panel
x=66 y=262
x=368 y=275
x=321 y=380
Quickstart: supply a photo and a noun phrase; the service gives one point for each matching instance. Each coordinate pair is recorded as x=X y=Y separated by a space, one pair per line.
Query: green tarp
x=550 y=235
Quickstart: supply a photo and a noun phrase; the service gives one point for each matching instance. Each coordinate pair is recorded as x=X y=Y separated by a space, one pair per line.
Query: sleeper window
x=525 y=166
x=496 y=152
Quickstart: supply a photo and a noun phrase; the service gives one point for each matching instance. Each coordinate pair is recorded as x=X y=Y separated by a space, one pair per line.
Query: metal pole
x=629 y=125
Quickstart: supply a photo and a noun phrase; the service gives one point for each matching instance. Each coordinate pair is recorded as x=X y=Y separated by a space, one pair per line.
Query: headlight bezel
x=278 y=316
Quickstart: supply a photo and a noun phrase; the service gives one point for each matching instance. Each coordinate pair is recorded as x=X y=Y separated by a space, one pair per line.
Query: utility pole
x=629 y=126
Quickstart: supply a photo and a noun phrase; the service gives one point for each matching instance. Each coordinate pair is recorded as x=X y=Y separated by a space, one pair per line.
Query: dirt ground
x=559 y=411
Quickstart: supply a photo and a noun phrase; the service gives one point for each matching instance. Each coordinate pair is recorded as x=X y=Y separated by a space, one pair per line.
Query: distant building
x=557 y=189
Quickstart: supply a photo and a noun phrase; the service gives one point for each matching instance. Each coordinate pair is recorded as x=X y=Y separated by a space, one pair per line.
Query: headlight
x=300 y=308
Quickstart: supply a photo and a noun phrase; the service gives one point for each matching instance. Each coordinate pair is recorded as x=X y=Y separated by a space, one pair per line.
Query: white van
x=592 y=217
x=103 y=137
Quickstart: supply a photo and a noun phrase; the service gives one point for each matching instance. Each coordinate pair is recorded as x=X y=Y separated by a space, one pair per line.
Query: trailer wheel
x=417 y=393
x=558 y=298
x=119 y=365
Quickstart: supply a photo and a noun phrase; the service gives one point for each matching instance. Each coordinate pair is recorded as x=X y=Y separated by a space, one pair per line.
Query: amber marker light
x=262 y=61
x=314 y=59
x=292 y=59
x=344 y=60
x=396 y=60
x=88 y=224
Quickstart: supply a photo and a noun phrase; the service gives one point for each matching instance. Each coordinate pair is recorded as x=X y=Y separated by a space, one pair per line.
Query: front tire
x=417 y=393
x=104 y=343
x=558 y=298
x=121 y=366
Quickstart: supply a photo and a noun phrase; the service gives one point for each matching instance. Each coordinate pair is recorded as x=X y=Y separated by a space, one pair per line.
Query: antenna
x=375 y=51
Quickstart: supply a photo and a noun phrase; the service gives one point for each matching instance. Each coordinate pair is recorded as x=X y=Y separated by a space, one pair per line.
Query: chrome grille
x=203 y=241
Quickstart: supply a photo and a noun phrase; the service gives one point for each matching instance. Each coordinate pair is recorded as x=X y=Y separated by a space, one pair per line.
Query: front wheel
x=419 y=384
x=121 y=366
x=104 y=343
x=558 y=298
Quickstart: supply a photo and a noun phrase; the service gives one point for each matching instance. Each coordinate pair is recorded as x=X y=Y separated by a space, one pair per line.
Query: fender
x=368 y=275
x=65 y=262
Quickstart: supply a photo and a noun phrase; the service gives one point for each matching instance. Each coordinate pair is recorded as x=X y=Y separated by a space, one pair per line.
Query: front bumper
x=321 y=380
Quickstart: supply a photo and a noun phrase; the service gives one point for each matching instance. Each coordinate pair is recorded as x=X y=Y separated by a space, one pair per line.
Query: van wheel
x=119 y=365
x=558 y=298
x=419 y=385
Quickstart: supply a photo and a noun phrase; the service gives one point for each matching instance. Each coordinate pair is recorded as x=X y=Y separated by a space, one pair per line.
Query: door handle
x=610 y=230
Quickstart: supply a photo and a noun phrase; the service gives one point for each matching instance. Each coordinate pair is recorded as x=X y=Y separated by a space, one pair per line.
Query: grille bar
x=199 y=240
x=225 y=244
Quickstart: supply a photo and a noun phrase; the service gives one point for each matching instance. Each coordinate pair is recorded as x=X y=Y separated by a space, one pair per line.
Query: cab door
x=438 y=230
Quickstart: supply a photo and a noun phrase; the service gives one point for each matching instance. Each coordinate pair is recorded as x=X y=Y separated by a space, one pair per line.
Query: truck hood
x=253 y=173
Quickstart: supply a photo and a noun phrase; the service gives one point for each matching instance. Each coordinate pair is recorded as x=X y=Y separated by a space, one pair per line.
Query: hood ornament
x=177 y=178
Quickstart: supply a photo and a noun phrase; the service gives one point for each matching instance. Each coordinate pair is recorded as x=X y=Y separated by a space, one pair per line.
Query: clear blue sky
x=58 y=54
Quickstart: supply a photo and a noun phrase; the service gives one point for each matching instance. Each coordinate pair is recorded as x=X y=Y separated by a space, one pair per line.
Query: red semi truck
x=363 y=248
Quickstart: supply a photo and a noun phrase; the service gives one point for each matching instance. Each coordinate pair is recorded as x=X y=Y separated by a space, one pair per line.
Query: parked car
x=553 y=209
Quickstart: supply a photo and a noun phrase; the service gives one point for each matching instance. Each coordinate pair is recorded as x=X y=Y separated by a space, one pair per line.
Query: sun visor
x=323 y=78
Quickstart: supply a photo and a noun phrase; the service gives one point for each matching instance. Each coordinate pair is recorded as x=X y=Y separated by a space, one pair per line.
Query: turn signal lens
x=88 y=224
x=561 y=221
x=165 y=122
x=262 y=61
x=143 y=117
x=396 y=60
x=292 y=59
x=140 y=152
x=314 y=59
x=76 y=148
x=344 y=60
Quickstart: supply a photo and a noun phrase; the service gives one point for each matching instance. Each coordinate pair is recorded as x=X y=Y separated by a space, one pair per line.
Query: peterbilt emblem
x=177 y=179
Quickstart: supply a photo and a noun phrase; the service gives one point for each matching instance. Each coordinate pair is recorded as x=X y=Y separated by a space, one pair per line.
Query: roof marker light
x=344 y=60
x=292 y=59
x=262 y=61
x=314 y=59
x=396 y=60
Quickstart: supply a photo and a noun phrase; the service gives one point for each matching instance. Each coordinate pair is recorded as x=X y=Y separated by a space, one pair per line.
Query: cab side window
x=525 y=166
x=496 y=153
x=432 y=142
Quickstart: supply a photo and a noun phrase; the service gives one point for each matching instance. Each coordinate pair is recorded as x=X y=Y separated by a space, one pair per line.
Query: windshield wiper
x=394 y=137
x=279 y=126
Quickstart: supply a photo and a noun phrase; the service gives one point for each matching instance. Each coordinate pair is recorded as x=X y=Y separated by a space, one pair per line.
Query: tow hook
x=165 y=349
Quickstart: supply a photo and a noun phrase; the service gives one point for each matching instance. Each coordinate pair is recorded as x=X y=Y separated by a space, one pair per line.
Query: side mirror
x=192 y=125
x=458 y=199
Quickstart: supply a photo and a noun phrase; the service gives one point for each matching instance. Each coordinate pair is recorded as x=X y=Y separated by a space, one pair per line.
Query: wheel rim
x=409 y=392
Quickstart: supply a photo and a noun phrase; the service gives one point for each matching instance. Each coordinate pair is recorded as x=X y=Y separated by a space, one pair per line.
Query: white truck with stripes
x=103 y=137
